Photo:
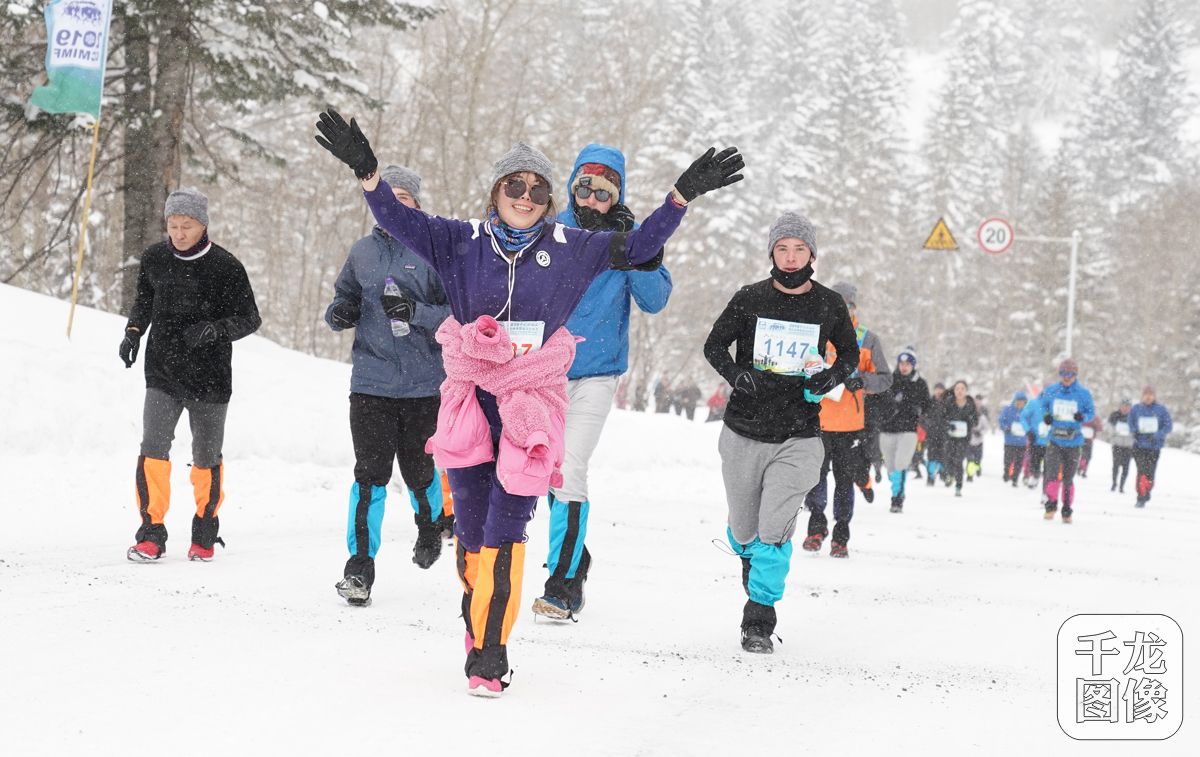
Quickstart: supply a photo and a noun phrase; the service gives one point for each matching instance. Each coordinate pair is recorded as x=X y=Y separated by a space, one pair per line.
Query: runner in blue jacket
x=1066 y=406
x=1014 y=437
x=1036 y=436
x=394 y=389
x=1150 y=423
x=597 y=202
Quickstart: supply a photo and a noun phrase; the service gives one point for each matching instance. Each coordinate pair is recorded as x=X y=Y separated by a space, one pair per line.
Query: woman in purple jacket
x=521 y=267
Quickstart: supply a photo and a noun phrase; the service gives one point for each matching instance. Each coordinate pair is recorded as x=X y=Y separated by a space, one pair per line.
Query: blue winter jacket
x=602 y=316
x=386 y=365
x=1154 y=415
x=1009 y=417
x=1063 y=402
x=1031 y=419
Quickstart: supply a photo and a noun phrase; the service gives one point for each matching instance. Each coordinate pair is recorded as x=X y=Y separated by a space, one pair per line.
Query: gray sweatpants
x=898 y=450
x=160 y=416
x=591 y=399
x=765 y=484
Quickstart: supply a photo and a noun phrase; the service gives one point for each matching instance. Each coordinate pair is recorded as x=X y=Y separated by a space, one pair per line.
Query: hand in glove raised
x=710 y=171
x=398 y=307
x=824 y=381
x=854 y=383
x=129 y=346
x=345 y=315
x=347 y=143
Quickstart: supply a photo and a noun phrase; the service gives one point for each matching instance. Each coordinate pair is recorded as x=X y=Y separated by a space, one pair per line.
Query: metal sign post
x=1074 y=240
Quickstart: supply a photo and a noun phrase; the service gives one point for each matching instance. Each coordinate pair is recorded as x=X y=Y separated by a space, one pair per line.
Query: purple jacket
x=548 y=279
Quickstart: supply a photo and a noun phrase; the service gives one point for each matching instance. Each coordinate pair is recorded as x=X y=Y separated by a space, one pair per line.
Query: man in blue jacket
x=394 y=388
x=1036 y=435
x=597 y=187
x=1014 y=437
x=1065 y=406
x=1150 y=423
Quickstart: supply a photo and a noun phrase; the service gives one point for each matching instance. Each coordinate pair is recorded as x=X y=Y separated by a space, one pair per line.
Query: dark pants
x=844 y=455
x=873 y=453
x=1036 y=454
x=1085 y=458
x=1013 y=456
x=955 y=453
x=1121 y=457
x=1060 y=466
x=1147 y=464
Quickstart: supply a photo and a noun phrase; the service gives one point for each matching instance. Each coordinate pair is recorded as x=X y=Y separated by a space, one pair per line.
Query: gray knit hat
x=792 y=226
x=522 y=157
x=187 y=202
x=400 y=177
x=849 y=292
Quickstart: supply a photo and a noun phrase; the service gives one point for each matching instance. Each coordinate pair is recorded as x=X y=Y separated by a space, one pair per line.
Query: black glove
x=1079 y=417
x=653 y=264
x=129 y=346
x=854 y=383
x=710 y=172
x=200 y=334
x=618 y=218
x=398 y=307
x=1048 y=419
x=824 y=381
x=345 y=315
x=347 y=143
x=588 y=218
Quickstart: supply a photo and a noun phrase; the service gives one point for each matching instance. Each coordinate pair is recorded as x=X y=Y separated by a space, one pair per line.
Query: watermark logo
x=1120 y=677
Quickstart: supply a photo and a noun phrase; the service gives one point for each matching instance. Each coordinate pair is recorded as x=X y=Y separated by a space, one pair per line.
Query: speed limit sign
x=995 y=235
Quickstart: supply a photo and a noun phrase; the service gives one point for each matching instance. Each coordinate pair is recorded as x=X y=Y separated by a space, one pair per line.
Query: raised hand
x=347 y=143
x=710 y=171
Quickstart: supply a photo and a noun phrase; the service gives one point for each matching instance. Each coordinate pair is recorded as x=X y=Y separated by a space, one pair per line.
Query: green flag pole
x=87 y=208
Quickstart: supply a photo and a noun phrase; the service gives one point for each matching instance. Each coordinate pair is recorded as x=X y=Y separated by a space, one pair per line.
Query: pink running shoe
x=491 y=688
x=144 y=551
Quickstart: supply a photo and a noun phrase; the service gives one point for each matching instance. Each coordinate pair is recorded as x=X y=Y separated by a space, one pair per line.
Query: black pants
x=1121 y=457
x=873 y=452
x=1013 y=456
x=383 y=429
x=1147 y=464
x=1061 y=464
x=955 y=453
x=844 y=456
x=1036 y=454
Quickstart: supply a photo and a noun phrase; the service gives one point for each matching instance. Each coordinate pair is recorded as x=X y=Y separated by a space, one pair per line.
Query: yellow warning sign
x=940 y=238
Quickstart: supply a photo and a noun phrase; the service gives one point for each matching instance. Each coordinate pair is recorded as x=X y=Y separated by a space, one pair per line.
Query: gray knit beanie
x=187 y=202
x=522 y=157
x=400 y=177
x=792 y=226
x=849 y=292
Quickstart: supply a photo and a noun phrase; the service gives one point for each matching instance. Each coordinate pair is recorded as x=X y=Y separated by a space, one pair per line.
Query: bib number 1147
x=786 y=346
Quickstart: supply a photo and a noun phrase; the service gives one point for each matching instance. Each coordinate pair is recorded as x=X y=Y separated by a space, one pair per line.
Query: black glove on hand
x=345 y=315
x=347 y=143
x=710 y=172
x=1048 y=419
x=589 y=218
x=824 y=381
x=129 y=346
x=200 y=334
x=854 y=383
x=398 y=307
x=1079 y=417
x=618 y=218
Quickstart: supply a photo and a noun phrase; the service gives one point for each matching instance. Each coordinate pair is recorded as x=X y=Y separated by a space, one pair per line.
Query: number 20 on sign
x=995 y=235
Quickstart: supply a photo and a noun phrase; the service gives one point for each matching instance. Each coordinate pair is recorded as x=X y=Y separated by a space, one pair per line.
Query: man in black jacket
x=909 y=397
x=199 y=301
x=770 y=448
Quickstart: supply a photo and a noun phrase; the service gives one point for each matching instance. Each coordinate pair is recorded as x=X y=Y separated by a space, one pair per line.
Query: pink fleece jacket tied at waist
x=530 y=391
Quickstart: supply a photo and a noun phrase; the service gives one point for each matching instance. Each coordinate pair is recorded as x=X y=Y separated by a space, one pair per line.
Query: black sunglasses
x=515 y=187
x=583 y=191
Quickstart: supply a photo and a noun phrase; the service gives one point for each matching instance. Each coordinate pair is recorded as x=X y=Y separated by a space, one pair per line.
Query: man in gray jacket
x=395 y=302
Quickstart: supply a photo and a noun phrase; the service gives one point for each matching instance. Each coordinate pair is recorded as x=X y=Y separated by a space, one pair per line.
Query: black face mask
x=792 y=279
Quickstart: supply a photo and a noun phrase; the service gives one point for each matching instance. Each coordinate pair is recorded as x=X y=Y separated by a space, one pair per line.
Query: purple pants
x=484 y=514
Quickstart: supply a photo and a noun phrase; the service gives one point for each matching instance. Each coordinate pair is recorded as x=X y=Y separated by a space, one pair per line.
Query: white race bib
x=1089 y=432
x=1122 y=428
x=1148 y=424
x=1064 y=410
x=1017 y=430
x=787 y=347
x=525 y=336
x=958 y=429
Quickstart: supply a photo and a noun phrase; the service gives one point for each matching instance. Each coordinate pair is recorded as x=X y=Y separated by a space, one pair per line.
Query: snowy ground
x=936 y=637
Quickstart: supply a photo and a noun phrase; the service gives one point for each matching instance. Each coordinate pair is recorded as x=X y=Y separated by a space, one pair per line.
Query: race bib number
x=1122 y=428
x=787 y=347
x=1017 y=430
x=958 y=429
x=525 y=336
x=1148 y=424
x=1089 y=432
x=1043 y=429
x=1064 y=410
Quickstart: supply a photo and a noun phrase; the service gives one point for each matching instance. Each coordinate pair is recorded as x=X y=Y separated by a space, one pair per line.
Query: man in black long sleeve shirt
x=770 y=448
x=199 y=300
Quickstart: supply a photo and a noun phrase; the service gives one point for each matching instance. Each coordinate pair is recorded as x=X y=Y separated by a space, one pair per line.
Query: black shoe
x=878 y=475
x=445 y=524
x=756 y=642
x=758 y=623
x=897 y=504
x=429 y=544
x=354 y=590
x=869 y=495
